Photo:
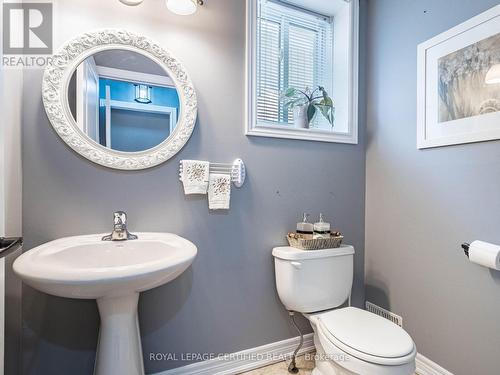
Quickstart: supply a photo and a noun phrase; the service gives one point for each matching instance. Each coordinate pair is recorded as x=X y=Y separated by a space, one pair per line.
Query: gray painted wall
x=226 y=301
x=421 y=205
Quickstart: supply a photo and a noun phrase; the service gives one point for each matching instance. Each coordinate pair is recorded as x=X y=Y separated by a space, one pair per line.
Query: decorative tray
x=298 y=241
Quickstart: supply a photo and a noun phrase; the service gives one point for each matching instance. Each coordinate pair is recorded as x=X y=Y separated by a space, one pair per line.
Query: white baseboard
x=245 y=360
x=265 y=355
x=426 y=367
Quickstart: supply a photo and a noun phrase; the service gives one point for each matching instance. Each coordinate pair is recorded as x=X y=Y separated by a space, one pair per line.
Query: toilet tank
x=313 y=280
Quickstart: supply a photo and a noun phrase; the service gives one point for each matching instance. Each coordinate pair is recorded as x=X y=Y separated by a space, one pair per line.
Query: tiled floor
x=305 y=364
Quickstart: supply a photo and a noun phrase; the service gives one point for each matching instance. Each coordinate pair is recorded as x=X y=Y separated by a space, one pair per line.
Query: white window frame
x=350 y=33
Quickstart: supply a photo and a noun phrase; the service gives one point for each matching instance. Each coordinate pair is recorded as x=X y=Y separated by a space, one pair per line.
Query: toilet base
x=325 y=366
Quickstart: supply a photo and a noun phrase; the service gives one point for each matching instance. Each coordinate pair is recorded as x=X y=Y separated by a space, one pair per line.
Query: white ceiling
x=128 y=60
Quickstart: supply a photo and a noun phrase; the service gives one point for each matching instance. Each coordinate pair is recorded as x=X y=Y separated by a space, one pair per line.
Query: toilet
x=348 y=340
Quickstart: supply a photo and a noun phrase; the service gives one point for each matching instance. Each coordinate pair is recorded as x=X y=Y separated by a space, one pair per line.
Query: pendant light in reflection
x=143 y=94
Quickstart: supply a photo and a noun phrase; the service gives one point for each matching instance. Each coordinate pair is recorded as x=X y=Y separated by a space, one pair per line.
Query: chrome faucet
x=120 y=232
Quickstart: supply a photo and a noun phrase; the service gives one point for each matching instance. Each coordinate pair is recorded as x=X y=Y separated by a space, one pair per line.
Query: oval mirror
x=119 y=99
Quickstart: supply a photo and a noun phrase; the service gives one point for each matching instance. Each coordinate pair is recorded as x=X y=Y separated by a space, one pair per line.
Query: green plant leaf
x=311 y=111
x=326 y=111
x=295 y=103
x=326 y=101
x=332 y=116
x=290 y=92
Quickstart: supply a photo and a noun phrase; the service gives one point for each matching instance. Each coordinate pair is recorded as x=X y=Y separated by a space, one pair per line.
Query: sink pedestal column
x=119 y=349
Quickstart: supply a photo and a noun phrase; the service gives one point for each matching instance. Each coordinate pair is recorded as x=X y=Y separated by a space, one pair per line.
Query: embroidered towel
x=219 y=192
x=195 y=176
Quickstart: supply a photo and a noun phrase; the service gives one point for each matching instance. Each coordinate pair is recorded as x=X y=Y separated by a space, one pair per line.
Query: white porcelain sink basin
x=86 y=267
x=113 y=272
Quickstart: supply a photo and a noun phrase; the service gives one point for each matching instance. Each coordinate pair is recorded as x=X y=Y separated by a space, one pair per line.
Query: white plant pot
x=300 y=116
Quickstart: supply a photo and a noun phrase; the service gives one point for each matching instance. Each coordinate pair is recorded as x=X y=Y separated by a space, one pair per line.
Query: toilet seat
x=365 y=336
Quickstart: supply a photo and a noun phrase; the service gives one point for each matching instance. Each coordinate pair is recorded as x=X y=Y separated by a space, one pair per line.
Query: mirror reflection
x=123 y=100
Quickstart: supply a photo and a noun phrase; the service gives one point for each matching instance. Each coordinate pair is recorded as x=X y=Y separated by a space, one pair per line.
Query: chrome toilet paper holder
x=466 y=246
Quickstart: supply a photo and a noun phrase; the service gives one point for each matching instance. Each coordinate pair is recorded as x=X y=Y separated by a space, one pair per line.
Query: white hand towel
x=219 y=192
x=195 y=176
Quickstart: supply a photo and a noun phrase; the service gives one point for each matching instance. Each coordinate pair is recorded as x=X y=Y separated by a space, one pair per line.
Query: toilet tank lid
x=292 y=253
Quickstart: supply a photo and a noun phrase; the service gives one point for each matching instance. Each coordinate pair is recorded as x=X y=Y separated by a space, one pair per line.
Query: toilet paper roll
x=485 y=254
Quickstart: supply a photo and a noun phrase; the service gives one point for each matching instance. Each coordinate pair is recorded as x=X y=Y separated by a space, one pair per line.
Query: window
x=293 y=46
x=294 y=49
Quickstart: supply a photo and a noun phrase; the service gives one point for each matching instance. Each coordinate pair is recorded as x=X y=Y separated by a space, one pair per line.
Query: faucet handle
x=120 y=232
x=120 y=218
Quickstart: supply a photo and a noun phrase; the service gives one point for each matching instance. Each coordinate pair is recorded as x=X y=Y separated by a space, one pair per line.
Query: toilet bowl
x=354 y=341
x=348 y=340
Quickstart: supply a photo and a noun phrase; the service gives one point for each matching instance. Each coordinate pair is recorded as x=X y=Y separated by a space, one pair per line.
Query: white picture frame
x=346 y=51
x=451 y=105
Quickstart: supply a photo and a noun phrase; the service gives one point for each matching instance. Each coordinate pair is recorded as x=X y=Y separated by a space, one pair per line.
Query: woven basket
x=314 y=244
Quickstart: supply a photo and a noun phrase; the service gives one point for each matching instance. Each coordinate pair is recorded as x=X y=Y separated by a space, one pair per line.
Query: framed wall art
x=459 y=84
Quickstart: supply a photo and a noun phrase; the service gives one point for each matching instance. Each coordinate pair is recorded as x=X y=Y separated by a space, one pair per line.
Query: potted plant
x=307 y=103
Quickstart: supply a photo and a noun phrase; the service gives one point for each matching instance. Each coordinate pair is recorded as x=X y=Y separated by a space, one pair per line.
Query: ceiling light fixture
x=493 y=75
x=143 y=94
x=183 y=7
x=131 y=2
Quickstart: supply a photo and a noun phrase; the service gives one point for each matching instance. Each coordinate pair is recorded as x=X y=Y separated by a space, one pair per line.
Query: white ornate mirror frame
x=55 y=98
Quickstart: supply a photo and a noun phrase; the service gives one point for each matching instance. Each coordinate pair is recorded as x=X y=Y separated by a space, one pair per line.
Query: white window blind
x=294 y=49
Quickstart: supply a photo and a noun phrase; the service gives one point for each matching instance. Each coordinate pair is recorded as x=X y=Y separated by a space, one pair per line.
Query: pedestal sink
x=113 y=273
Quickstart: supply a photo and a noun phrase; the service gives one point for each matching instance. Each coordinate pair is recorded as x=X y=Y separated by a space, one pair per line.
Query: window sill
x=318 y=135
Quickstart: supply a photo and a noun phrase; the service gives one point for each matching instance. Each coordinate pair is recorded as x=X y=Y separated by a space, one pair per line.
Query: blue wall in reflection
x=133 y=130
